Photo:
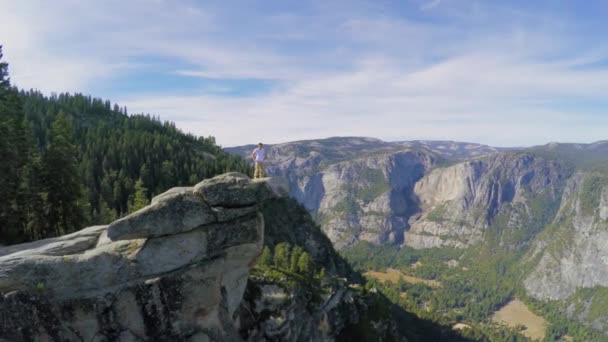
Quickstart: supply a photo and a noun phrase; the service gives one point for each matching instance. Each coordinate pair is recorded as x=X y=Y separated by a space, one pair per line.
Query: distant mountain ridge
x=361 y=188
x=445 y=148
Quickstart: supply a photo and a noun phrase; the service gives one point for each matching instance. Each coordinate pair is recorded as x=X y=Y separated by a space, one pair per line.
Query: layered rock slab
x=175 y=270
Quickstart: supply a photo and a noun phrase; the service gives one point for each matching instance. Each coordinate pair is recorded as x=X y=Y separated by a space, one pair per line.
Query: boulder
x=173 y=271
x=171 y=213
x=222 y=191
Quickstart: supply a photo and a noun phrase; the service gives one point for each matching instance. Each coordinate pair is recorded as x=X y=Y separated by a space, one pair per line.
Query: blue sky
x=503 y=73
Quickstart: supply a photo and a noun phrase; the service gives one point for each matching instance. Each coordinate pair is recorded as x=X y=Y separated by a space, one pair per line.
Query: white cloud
x=485 y=73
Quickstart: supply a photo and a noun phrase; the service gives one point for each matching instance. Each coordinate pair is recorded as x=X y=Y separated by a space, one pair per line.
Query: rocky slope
x=573 y=251
x=282 y=310
x=175 y=270
x=180 y=269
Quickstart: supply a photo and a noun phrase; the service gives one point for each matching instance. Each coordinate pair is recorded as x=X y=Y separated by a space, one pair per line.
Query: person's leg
x=256 y=172
x=262 y=171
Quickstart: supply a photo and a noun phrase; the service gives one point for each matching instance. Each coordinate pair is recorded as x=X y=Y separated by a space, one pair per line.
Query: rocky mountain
x=322 y=152
x=184 y=268
x=361 y=188
x=547 y=203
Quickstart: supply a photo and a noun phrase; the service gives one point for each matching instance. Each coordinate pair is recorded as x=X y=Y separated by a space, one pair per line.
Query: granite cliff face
x=357 y=188
x=366 y=189
x=505 y=199
x=573 y=252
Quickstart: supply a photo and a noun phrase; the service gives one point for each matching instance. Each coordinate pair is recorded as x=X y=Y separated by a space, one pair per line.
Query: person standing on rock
x=259 y=156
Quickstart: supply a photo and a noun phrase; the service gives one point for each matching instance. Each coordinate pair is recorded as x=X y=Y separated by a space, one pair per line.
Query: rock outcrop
x=504 y=199
x=175 y=270
x=271 y=312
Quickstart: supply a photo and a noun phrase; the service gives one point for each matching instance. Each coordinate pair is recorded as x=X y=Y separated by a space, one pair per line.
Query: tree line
x=71 y=160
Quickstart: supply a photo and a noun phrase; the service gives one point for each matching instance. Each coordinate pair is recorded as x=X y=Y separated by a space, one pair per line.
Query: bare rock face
x=270 y=312
x=573 y=253
x=175 y=270
x=504 y=199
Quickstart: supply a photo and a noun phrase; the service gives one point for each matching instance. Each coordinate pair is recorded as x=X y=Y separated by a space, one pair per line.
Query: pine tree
x=32 y=188
x=62 y=181
x=322 y=273
x=305 y=265
x=281 y=255
x=146 y=177
x=293 y=261
x=139 y=200
x=265 y=257
x=167 y=174
x=4 y=79
x=105 y=215
x=13 y=158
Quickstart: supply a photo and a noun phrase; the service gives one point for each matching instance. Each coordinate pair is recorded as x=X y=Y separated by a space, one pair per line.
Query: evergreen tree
x=281 y=255
x=64 y=213
x=294 y=259
x=166 y=173
x=140 y=200
x=146 y=178
x=305 y=265
x=13 y=158
x=33 y=190
x=322 y=273
x=105 y=215
x=4 y=79
x=265 y=257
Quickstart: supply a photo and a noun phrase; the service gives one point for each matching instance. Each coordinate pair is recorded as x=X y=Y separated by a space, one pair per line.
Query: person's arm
x=253 y=155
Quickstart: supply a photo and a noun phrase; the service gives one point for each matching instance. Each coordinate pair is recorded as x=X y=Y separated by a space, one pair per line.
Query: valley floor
x=473 y=293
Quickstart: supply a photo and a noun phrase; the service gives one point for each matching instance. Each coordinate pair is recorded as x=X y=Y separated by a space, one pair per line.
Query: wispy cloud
x=434 y=70
x=430 y=4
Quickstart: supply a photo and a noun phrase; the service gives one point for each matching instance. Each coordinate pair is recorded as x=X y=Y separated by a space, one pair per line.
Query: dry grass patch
x=394 y=275
x=516 y=313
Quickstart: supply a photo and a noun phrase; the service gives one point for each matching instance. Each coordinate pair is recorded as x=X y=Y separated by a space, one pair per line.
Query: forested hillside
x=70 y=160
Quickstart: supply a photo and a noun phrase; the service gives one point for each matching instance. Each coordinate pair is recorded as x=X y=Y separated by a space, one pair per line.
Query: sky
x=503 y=73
